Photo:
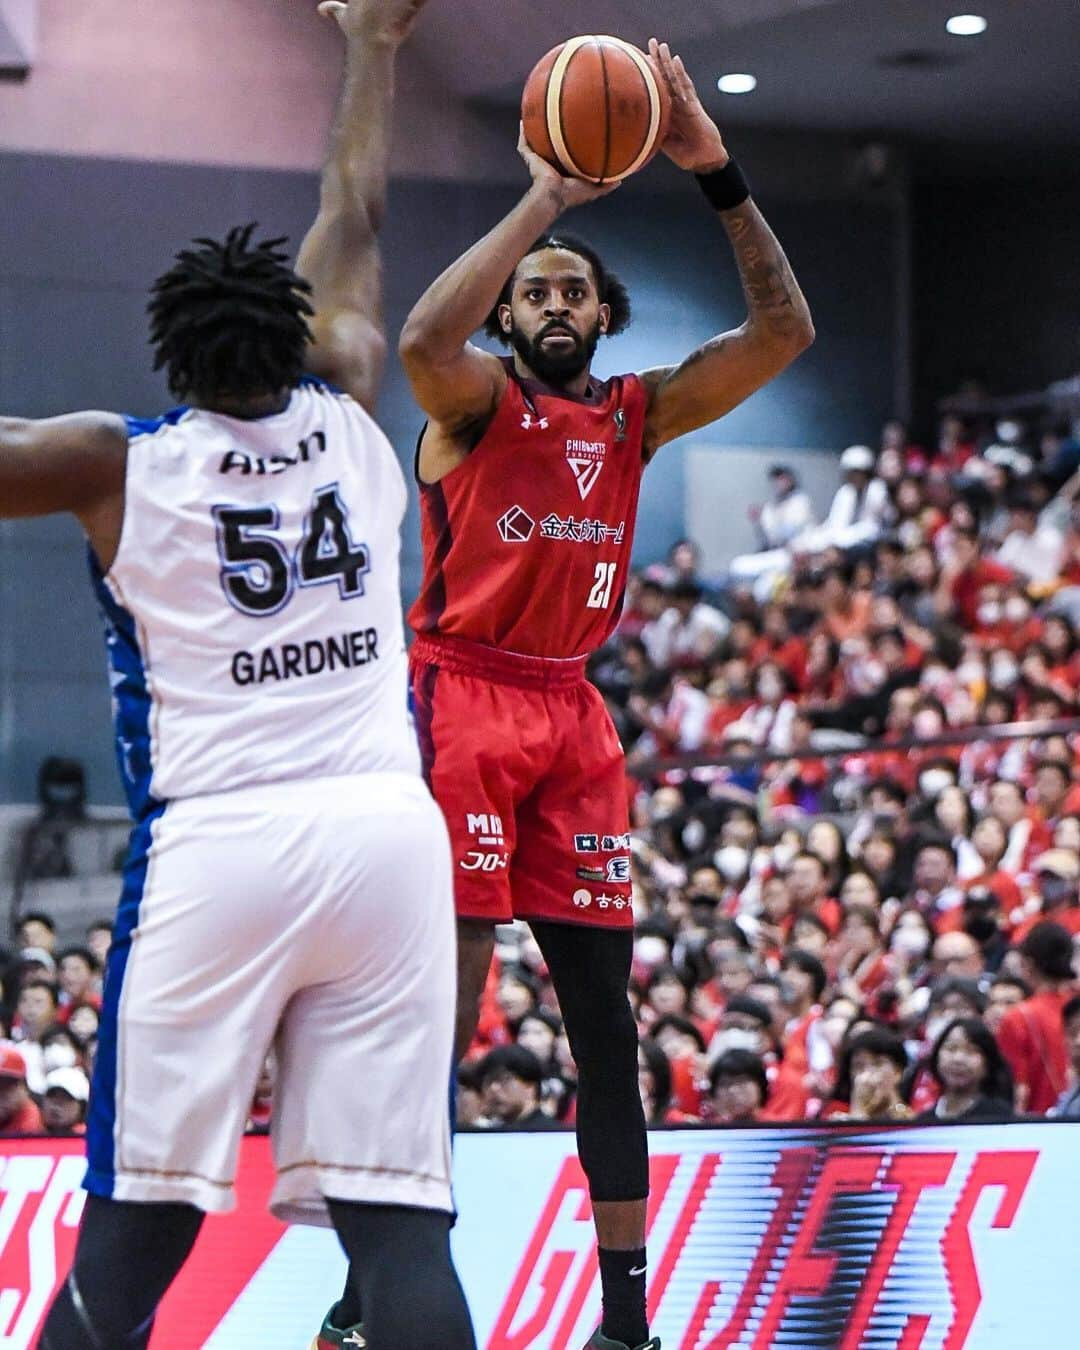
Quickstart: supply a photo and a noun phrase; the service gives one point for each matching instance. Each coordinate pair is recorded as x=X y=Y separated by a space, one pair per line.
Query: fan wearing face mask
x=747 y=1025
x=964 y=576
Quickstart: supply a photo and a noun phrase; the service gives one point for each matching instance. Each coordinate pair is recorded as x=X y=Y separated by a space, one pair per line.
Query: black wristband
x=726 y=188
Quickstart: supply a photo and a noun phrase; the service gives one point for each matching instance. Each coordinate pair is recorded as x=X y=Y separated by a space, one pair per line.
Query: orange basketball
x=595 y=109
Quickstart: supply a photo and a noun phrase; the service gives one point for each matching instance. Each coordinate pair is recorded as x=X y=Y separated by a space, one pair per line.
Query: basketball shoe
x=331 y=1337
x=598 y=1341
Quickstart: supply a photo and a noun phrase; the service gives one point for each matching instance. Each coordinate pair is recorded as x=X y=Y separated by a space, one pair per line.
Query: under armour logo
x=528 y=423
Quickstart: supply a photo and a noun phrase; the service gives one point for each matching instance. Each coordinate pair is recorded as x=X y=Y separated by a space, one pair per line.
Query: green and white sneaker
x=598 y=1341
x=331 y=1337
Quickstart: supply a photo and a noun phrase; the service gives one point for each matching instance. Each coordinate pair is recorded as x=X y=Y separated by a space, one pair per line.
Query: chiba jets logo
x=586 y=459
x=913 y=1225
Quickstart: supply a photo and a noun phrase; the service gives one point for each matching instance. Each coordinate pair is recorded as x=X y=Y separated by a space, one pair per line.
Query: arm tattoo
x=772 y=293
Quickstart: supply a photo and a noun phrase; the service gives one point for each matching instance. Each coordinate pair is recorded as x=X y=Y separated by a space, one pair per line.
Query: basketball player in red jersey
x=529 y=471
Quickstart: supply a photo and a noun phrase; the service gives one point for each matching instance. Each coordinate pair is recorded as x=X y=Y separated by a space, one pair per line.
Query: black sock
x=622 y=1277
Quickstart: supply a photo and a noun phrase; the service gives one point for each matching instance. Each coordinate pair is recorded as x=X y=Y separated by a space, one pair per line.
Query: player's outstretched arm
x=457 y=384
x=73 y=463
x=730 y=367
x=340 y=255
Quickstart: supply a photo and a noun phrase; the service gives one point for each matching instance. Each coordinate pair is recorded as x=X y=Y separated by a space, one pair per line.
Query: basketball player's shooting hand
x=693 y=141
x=570 y=191
x=378 y=20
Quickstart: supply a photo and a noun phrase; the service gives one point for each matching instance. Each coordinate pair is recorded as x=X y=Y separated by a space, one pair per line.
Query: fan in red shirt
x=863 y=967
x=655 y=1087
x=966 y=573
x=18 y=1114
x=1031 y=1034
x=1028 y=835
x=529 y=473
x=990 y=840
x=809 y=889
x=805 y=979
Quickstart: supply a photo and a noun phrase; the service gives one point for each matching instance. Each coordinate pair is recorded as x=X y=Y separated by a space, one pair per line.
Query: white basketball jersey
x=253 y=612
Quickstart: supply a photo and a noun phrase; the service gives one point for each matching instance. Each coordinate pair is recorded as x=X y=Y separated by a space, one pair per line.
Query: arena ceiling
x=877 y=67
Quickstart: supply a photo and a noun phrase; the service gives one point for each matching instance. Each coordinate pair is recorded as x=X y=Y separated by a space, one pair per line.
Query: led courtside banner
x=911 y=1239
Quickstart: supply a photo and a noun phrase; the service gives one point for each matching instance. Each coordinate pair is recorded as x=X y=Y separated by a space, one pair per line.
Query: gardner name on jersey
x=527 y=542
x=253 y=615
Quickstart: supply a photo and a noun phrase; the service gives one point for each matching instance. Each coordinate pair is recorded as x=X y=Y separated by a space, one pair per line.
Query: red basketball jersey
x=527 y=542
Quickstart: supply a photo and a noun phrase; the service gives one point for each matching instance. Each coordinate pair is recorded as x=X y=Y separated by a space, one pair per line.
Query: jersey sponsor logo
x=618 y=870
x=487 y=826
x=531 y=423
x=240 y=462
x=595 y=843
x=586 y=459
x=477 y=861
x=582 y=898
x=297 y=660
x=582 y=531
x=612 y=902
x=516 y=526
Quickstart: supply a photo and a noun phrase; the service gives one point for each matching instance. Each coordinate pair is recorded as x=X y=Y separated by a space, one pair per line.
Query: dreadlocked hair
x=230 y=319
x=609 y=287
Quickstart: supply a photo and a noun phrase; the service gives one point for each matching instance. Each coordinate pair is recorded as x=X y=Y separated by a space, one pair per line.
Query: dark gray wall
x=80 y=241
x=998 y=283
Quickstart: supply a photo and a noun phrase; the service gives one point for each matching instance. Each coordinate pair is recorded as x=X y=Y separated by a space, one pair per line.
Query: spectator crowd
x=840 y=912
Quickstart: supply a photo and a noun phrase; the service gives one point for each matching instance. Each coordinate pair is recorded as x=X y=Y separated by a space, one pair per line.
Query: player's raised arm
x=340 y=255
x=728 y=368
x=457 y=384
x=73 y=463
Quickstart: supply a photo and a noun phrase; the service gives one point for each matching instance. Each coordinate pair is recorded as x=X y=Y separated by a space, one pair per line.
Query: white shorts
x=315 y=917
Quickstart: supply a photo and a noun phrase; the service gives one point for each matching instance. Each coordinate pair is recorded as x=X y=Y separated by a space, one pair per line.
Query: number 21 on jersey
x=600 y=595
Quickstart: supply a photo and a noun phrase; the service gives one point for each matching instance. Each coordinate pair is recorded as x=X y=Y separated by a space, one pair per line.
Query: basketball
x=596 y=109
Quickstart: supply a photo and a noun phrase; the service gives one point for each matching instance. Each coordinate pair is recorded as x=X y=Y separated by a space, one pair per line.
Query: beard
x=560 y=366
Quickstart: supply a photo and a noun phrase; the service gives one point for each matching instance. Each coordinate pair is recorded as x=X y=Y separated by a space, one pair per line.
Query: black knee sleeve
x=590 y=968
x=126 y=1258
x=403 y=1277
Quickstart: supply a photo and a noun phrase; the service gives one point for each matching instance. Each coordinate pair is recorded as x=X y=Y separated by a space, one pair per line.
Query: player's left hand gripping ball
x=693 y=141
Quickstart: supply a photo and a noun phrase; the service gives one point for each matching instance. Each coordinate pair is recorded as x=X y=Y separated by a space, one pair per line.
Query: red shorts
x=524 y=760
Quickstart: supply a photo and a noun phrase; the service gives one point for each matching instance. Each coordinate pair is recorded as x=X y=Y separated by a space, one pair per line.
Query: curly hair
x=609 y=287
x=230 y=319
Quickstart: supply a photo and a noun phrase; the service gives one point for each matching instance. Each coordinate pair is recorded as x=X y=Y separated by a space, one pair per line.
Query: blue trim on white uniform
x=131 y=717
x=130 y=696
x=313 y=382
x=101 y=1119
x=148 y=426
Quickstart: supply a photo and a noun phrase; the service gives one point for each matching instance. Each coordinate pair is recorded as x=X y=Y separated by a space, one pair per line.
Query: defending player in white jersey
x=288 y=881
